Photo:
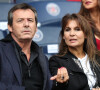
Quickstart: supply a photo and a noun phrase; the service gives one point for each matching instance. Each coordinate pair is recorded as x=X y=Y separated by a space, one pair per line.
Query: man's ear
x=36 y=29
x=10 y=28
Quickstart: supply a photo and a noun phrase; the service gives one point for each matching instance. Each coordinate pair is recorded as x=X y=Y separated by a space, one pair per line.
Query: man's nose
x=26 y=23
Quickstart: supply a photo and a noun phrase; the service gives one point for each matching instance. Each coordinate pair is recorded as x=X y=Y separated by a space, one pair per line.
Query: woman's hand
x=62 y=75
x=96 y=89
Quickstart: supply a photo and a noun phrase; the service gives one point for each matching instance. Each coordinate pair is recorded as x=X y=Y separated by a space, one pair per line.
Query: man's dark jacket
x=10 y=70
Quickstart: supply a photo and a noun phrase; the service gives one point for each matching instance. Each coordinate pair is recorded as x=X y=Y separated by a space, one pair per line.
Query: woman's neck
x=79 y=53
x=95 y=15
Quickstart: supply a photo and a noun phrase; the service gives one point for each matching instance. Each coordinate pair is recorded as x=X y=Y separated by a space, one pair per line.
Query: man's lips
x=26 y=31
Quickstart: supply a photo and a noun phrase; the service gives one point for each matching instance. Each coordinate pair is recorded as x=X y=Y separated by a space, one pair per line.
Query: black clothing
x=18 y=74
x=32 y=76
x=77 y=78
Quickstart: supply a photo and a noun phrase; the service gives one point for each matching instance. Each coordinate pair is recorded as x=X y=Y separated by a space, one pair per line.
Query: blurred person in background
x=90 y=9
x=77 y=65
x=23 y=66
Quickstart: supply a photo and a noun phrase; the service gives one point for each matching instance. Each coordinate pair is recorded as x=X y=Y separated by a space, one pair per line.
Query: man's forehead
x=24 y=13
x=18 y=11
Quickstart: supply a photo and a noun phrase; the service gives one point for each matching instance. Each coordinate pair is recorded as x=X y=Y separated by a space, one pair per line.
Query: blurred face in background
x=90 y=4
x=73 y=35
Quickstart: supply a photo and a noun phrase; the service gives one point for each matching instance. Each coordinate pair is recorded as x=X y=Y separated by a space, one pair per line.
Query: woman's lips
x=72 y=40
x=87 y=2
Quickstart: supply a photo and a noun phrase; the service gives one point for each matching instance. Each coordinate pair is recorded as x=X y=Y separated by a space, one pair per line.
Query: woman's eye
x=67 y=29
x=77 y=29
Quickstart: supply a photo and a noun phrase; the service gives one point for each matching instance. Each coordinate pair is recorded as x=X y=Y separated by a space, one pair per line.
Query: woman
x=90 y=9
x=76 y=66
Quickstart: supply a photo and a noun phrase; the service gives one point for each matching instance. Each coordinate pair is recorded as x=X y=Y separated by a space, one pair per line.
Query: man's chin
x=26 y=38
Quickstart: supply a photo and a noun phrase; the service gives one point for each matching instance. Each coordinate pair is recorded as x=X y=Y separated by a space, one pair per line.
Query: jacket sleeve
x=49 y=82
x=54 y=64
x=4 y=66
x=10 y=87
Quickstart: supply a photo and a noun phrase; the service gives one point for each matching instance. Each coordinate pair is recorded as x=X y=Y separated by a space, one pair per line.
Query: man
x=23 y=66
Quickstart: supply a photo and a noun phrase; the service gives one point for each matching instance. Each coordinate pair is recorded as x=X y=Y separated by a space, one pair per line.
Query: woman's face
x=90 y=4
x=73 y=35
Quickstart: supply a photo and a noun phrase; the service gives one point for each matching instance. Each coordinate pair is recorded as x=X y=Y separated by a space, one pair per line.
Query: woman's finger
x=53 y=77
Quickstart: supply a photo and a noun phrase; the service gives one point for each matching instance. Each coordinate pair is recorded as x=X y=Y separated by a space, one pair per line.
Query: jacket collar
x=69 y=58
x=8 y=38
x=42 y=61
x=11 y=55
x=69 y=54
x=44 y=65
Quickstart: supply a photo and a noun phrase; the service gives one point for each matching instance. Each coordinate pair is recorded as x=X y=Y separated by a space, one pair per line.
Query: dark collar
x=8 y=38
x=69 y=58
x=69 y=55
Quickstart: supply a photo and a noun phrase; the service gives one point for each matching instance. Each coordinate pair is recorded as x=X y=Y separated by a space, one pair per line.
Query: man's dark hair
x=23 y=6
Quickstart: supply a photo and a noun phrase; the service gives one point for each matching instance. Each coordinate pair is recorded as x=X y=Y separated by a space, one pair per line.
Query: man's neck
x=25 y=46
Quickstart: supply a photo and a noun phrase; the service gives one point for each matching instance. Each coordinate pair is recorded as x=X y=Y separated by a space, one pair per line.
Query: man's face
x=24 y=25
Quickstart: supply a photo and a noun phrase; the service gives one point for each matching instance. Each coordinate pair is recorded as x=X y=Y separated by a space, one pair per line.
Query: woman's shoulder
x=54 y=57
x=58 y=58
x=68 y=55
